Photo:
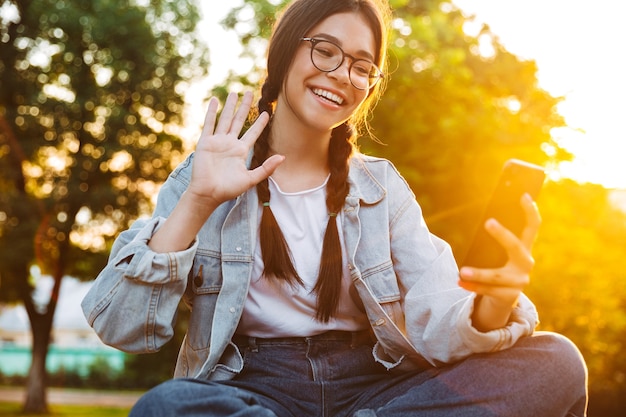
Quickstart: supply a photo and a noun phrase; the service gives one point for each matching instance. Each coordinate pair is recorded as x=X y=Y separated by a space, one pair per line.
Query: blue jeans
x=333 y=375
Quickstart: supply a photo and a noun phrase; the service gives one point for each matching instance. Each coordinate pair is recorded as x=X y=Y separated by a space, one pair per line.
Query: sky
x=578 y=47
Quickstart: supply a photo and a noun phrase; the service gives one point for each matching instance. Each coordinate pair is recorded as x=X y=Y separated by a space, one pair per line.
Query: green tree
x=91 y=101
x=457 y=106
x=579 y=283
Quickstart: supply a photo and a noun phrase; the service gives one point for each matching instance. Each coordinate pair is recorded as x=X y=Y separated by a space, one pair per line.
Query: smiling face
x=317 y=100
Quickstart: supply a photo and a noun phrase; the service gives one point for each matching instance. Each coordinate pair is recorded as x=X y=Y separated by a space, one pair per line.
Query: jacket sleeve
x=133 y=301
x=438 y=311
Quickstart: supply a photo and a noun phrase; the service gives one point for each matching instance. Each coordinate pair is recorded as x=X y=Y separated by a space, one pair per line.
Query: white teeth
x=328 y=95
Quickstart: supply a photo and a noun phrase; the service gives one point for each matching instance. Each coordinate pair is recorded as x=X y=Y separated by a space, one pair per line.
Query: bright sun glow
x=578 y=49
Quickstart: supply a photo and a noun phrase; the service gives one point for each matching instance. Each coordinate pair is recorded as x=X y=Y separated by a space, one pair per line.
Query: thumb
x=266 y=169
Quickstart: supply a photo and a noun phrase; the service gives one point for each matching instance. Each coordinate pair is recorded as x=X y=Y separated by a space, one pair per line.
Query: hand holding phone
x=517 y=178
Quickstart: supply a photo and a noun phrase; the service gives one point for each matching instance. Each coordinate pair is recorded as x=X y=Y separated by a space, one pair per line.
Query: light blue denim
x=405 y=278
x=540 y=376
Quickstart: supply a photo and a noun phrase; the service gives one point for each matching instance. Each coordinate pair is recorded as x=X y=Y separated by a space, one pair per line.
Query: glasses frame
x=315 y=41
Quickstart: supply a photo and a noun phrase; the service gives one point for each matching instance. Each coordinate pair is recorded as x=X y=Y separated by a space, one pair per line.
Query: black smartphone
x=516 y=179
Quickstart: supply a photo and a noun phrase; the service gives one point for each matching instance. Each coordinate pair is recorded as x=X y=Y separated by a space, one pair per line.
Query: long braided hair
x=294 y=24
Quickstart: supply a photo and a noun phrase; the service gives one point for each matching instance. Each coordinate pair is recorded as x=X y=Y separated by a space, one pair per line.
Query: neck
x=306 y=156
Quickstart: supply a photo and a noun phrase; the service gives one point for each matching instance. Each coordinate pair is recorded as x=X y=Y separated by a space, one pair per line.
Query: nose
x=342 y=72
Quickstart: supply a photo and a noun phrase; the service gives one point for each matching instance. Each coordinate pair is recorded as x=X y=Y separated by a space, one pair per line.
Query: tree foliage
x=579 y=285
x=91 y=102
x=456 y=107
x=91 y=97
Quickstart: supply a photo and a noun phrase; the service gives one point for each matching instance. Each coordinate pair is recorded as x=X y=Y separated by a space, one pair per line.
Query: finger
x=533 y=221
x=507 y=296
x=516 y=250
x=242 y=113
x=226 y=117
x=209 y=118
x=502 y=235
x=500 y=277
x=253 y=133
x=266 y=169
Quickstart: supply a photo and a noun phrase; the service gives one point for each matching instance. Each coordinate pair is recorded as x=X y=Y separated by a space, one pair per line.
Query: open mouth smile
x=334 y=98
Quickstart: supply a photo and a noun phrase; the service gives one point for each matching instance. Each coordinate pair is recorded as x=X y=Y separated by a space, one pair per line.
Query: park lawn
x=56 y=410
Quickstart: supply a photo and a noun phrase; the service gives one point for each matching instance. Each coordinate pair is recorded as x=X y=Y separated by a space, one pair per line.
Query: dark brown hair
x=296 y=21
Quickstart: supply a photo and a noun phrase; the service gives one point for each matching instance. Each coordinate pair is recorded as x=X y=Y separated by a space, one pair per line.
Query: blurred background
x=99 y=100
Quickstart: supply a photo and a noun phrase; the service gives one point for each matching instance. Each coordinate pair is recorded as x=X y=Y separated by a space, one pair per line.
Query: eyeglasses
x=327 y=56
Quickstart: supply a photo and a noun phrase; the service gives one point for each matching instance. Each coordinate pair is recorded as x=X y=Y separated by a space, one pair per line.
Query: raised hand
x=219 y=172
x=219 y=167
x=500 y=288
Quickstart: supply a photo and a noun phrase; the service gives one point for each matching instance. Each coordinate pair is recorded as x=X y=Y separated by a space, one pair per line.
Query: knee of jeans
x=156 y=401
x=564 y=355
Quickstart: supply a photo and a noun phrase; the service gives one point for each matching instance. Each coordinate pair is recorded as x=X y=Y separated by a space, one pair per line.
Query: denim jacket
x=405 y=277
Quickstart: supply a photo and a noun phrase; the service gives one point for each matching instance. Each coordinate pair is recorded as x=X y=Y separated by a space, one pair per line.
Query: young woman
x=314 y=285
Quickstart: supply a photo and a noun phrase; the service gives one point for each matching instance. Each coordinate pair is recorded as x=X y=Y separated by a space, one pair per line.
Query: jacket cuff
x=144 y=265
x=522 y=322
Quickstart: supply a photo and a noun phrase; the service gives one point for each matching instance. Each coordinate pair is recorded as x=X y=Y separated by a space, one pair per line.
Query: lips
x=328 y=96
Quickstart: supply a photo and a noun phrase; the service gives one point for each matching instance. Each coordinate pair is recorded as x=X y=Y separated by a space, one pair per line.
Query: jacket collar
x=363 y=184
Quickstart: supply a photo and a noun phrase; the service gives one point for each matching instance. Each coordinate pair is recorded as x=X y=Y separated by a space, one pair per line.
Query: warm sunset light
x=577 y=47
x=110 y=230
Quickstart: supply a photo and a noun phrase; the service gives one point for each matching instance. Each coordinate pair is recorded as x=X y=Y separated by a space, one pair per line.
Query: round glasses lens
x=326 y=56
x=363 y=74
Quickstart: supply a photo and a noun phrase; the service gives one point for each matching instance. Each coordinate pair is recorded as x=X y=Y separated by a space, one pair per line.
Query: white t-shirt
x=276 y=309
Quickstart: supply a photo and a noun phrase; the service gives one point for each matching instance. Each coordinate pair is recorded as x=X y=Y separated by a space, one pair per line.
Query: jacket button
x=198 y=281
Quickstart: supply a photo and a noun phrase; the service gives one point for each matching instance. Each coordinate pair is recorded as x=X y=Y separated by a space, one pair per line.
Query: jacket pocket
x=205 y=281
x=230 y=364
x=383 y=284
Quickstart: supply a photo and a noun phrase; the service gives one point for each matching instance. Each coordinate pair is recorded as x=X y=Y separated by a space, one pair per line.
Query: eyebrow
x=326 y=36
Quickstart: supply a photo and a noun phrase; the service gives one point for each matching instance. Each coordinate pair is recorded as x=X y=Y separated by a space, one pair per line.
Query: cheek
x=295 y=75
x=301 y=62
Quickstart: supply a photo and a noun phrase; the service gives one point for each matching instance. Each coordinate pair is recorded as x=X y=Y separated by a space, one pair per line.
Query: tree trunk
x=41 y=328
x=36 y=395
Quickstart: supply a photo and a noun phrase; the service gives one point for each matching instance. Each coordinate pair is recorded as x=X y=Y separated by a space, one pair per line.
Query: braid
x=274 y=250
x=328 y=285
x=261 y=146
x=341 y=149
x=295 y=22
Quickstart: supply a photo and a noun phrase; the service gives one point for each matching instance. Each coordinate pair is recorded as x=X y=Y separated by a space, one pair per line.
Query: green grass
x=15 y=410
